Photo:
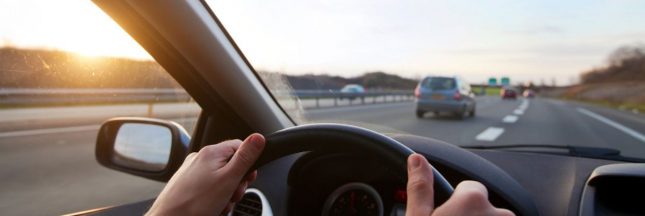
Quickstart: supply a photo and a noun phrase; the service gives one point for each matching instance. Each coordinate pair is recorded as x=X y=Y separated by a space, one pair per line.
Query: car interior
x=304 y=164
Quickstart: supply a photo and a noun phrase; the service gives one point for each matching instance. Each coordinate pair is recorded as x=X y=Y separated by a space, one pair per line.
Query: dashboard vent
x=250 y=205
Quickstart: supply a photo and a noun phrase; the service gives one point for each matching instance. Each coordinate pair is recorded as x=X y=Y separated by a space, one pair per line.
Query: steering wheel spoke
x=346 y=138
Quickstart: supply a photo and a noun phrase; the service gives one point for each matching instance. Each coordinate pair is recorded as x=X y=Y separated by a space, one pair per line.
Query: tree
x=626 y=63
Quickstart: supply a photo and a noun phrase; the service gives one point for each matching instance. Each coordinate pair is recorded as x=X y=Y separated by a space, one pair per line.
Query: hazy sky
x=475 y=39
x=73 y=25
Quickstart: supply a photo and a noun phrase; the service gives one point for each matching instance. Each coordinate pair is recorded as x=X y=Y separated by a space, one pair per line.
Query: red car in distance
x=508 y=93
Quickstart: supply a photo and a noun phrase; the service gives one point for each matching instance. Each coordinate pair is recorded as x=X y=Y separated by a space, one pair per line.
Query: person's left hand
x=207 y=183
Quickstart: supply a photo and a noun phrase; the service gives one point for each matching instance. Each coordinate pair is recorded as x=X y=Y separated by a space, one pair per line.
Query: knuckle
x=246 y=158
x=418 y=184
x=475 y=197
x=191 y=155
x=208 y=150
x=232 y=141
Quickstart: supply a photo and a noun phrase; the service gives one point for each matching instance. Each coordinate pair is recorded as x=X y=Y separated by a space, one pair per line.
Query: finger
x=246 y=156
x=420 y=192
x=472 y=192
x=251 y=176
x=468 y=198
x=227 y=209
x=239 y=192
x=219 y=154
x=504 y=212
x=221 y=151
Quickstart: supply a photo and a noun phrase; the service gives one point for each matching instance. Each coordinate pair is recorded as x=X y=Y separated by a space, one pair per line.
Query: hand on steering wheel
x=469 y=198
x=211 y=180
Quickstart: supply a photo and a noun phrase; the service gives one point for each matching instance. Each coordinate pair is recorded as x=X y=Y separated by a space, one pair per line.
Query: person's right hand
x=469 y=197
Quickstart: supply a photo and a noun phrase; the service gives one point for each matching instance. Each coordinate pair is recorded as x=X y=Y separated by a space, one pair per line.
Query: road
x=47 y=166
x=504 y=122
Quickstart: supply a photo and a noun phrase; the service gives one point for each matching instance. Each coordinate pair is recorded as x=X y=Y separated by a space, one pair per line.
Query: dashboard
x=344 y=184
x=526 y=183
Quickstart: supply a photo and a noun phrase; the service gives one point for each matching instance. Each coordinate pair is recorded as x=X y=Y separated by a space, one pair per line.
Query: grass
x=632 y=107
x=489 y=90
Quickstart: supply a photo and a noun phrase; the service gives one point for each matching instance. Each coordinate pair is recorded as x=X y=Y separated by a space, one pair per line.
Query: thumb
x=246 y=155
x=420 y=190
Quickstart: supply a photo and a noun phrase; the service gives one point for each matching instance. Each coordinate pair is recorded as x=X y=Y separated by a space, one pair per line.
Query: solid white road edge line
x=490 y=134
x=66 y=129
x=614 y=124
x=49 y=131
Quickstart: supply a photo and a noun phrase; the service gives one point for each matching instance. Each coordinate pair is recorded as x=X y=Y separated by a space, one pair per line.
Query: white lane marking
x=490 y=134
x=49 y=131
x=614 y=124
x=510 y=119
x=518 y=112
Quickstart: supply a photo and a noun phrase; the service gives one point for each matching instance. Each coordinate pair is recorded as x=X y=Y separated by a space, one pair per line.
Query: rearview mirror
x=150 y=148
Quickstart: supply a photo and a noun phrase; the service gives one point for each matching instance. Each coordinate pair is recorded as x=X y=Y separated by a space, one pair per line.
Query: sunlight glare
x=73 y=25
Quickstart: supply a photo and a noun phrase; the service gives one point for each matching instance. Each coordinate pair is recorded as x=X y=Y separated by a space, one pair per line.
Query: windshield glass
x=438 y=83
x=577 y=68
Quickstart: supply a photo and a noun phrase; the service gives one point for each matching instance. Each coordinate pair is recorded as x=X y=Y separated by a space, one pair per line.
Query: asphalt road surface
x=48 y=167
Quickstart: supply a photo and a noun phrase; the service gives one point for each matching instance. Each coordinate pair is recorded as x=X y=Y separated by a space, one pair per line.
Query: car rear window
x=439 y=83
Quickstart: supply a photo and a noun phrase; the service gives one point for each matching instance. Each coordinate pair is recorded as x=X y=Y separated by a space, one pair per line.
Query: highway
x=47 y=165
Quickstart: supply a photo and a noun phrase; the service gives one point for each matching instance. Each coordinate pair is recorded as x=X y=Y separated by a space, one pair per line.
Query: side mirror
x=150 y=148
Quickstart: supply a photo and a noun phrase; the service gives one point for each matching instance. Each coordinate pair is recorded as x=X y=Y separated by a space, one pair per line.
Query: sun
x=73 y=25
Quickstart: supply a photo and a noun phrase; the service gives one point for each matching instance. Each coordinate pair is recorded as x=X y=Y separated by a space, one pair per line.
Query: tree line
x=34 y=68
x=626 y=63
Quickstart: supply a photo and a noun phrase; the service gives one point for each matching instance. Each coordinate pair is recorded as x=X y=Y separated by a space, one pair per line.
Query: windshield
x=577 y=68
x=438 y=83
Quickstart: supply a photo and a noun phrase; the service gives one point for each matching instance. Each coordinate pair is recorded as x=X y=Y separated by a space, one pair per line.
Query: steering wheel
x=346 y=138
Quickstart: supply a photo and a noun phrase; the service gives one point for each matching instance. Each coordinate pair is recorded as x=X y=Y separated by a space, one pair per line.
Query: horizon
x=527 y=41
x=350 y=76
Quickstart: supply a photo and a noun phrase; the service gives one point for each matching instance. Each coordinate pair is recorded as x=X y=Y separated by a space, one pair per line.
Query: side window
x=56 y=88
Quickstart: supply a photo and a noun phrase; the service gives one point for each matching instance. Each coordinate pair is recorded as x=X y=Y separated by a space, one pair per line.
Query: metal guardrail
x=18 y=96
x=72 y=96
x=351 y=98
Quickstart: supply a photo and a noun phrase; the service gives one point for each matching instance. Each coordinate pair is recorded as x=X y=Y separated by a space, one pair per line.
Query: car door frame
x=209 y=65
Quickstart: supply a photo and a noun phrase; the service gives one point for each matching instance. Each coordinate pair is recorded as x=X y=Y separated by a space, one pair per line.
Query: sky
x=72 y=25
x=525 y=40
x=535 y=41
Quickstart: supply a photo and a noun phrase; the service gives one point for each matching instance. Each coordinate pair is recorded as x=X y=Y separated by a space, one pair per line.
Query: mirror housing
x=107 y=155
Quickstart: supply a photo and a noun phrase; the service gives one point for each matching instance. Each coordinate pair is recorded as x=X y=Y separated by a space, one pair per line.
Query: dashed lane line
x=510 y=119
x=490 y=134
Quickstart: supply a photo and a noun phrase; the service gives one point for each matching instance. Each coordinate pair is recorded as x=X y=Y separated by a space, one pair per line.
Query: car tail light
x=457 y=96
x=417 y=92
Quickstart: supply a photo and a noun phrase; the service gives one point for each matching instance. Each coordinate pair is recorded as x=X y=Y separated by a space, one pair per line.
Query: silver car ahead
x=444 y=94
